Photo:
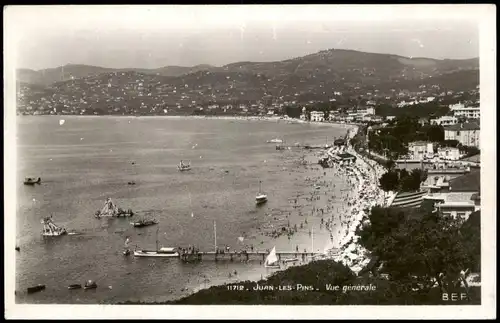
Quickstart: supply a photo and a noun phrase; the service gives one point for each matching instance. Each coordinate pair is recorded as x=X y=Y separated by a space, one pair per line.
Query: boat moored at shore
x=158 y=252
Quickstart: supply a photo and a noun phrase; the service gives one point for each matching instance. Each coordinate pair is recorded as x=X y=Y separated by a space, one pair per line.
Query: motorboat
x=90 y=285
x=110 y=209
x=35 y=289
x=275 y=141
x=144 y=223
x=261 y=198
x=75 y=286
x=272 y=260
x=162 y=252
x=50 y=229
x=184 y=167
x=158 y=252
x=32 y=181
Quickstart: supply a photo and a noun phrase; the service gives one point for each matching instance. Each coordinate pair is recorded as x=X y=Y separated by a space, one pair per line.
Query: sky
x=156 y=36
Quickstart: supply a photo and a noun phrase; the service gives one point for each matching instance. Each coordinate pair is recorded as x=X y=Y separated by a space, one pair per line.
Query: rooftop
x=463 y=126
x=470 y=182
x=475 y=158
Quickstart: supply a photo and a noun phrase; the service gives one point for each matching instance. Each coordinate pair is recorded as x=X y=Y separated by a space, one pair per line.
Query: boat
x=261 y=198
x=272 y=260
x=183 y=167
x=162 y=252
x=275 y=141
x=126 y=252
x=32 y=181
x=35 y=289
x=75 y=286
x=111 y=210
x=90 y=285
x=291 y=260
x=144 y=223
x=50 y=229
x=158 y=252
x=18 y=249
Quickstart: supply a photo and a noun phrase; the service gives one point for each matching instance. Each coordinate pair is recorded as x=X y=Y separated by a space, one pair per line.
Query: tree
x=390 y=164
x=419 y=248
x=435 y=133
x=389 y=181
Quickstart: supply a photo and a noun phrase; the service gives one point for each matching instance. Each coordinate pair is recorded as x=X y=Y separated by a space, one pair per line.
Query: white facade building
x=317 y=116
x=460 y=110
x=445 y=121
x=449 y=153
x=468 y=134
x=420 y=149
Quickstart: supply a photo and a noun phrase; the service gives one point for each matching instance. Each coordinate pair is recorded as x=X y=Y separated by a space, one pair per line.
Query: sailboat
x=183 y=167
x=159 y=252
x=261 y=198
x=272 y=260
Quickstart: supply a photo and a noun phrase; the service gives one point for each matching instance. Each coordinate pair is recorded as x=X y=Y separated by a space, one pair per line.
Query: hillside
x=316 y=77
x=73 y=71
x=355 y=65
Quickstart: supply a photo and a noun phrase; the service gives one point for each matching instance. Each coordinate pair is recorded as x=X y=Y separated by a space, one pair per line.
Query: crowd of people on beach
x=363 y=178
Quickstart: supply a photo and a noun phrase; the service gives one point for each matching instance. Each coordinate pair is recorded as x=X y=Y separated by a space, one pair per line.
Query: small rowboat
x=144 y=223
x=90 y=285
x=36 y=288
x=75 y=286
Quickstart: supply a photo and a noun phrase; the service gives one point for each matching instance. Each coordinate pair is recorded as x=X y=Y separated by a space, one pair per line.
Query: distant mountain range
x=346 y=66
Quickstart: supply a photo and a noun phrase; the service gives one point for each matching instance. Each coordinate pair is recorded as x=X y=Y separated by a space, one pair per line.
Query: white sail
x=272 y=258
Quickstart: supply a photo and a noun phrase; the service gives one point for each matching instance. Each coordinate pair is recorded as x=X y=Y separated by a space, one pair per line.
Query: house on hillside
x=467 y=134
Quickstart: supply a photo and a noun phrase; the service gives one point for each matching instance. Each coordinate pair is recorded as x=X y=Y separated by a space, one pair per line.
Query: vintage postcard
x=334 y=161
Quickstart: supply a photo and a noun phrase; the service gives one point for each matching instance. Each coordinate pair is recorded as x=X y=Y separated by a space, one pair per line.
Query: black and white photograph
x=245 y=155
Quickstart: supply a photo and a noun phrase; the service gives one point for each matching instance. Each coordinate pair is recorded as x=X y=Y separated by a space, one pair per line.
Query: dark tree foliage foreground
x=421 y=249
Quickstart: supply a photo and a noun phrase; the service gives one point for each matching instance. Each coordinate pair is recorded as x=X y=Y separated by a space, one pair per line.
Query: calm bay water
x=88 y=159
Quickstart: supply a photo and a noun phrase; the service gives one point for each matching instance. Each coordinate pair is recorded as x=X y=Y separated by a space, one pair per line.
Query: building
x=460 y=110
x=303 y=114
x=466 y=133
x=445 y=121
x=317 y=116
x=423 y=121
x=418 y=150
x=448 y=153
x=461 y=197
x=440 y=177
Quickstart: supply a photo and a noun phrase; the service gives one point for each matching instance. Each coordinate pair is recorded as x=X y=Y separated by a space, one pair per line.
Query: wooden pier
x=245 y=256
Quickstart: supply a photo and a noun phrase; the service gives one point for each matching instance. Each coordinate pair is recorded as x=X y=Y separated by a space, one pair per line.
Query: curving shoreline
x=363 y=177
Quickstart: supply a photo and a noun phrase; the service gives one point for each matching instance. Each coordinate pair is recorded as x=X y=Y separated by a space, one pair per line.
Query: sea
x=83 y=160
